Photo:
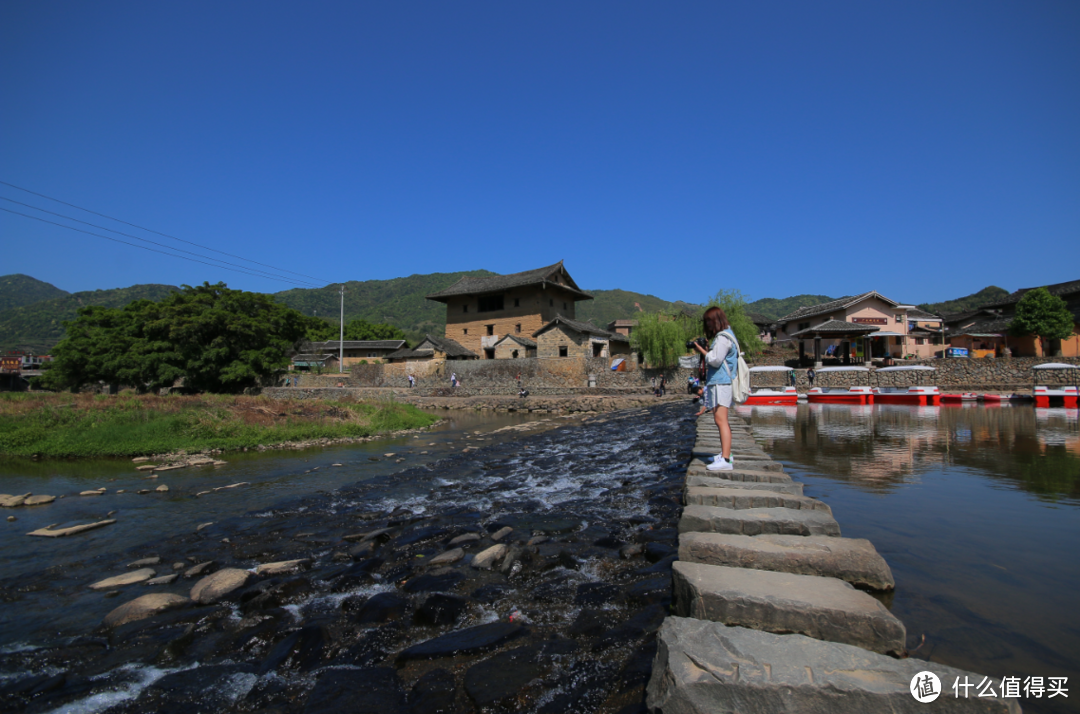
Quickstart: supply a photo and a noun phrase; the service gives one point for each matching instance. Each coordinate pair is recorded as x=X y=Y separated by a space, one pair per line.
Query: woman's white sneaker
x=720 y=464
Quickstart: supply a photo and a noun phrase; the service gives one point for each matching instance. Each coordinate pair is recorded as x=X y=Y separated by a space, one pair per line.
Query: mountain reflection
x=880 y=448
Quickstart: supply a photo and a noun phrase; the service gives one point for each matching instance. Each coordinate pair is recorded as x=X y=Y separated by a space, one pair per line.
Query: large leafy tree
x=1044 y=315
x=359 y=329
x=215 y=338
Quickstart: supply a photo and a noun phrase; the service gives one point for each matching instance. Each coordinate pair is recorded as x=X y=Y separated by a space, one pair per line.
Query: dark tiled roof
x=917 y=314
x=498 y=283
x=837 y=327
x=358 y=345
x=984 y=327
x=312 y=358
x=410 y=354
x=520 y=339
x=758 y=319
x=446 y=346
x=586 y=328
x=838 y=304
x=1059 y=289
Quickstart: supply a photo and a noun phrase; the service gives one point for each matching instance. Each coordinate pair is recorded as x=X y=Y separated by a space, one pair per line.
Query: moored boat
x=918 y=395
x=959 y=398
x=841 y=395
x=770 y=395
x=1064 y=397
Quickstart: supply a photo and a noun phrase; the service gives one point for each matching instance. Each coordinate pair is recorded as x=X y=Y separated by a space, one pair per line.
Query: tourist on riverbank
x=412 y=381
x=454 y=380
x=721 y=361
x=663 y=386
x=810 y=377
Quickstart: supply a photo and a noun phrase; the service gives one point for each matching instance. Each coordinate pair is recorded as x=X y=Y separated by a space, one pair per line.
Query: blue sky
x=921 y=149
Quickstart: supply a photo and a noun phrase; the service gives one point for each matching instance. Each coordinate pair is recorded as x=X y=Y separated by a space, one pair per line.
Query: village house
x=563 y=337
x=514 y=347
x=860 y=327
x=314 y=362
x=985 y=331
x=355 y=350
x=482 y=311
x=432 y=348
x=622 y=327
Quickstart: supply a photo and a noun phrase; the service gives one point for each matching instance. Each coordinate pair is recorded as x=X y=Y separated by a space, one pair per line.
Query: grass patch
x=78 y=425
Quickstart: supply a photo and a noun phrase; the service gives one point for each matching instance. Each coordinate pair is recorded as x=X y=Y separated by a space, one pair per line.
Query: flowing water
x=976 y=510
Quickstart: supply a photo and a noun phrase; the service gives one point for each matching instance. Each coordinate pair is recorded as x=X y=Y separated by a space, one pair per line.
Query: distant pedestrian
x=810 y=377
x=654 y=391
x=663 y=385
x=791 y=377
x=412 y=381
x=453 y=379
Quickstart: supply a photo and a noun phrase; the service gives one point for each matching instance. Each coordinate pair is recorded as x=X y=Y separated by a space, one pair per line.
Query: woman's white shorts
x=718 y=395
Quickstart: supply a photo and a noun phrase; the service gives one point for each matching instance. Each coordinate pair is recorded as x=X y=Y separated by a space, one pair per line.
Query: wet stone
x=372 y=646
x=596 y=594
x=653 y=590
x=471 y=640
x=502 y=679
x=381 y=607
x=336 y=692
x=757 y=521
x=301 y=650
x=441 y=609
x=657 y=551
x=431 y=582
x=433 y=693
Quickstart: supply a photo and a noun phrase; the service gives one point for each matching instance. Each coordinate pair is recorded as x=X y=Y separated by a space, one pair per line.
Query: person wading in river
x=721 y=360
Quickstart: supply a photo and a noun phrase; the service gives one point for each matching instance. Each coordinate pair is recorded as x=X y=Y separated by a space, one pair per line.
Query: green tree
x=319 y=330
x=215 y=339
x=746 y=332
x=661 y=339
x=1044 y=315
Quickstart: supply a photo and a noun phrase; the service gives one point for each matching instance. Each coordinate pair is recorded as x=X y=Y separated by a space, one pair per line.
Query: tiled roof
x=758 y=319
x=984 y=327
x=410 y=354
x=446 y=346
x=917 y=314
x=312 y=358
x=520 y=339
x=838 y=304
x=498 y=283
x=586 y=328
x=1059 y=289
x=838 y=327
x=358 y=345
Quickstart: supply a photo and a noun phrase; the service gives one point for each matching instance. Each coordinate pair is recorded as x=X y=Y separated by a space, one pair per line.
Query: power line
x=152 y=250
x=147 y=240
x=163 y=235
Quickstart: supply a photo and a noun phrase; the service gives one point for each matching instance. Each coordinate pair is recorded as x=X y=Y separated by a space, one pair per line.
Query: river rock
x=741 y=472
x=199 y=569
x=854 y=560
x=136 y=576
x=143 y=607
x=140 y=459
x=163 y=579
x=486 y=559
x=450 y=556
x=12 y=519
x=50 y=532
x=751 y=498
x=705 y=667
x=822 y=608
x=756 y=521
x=146 y=467
x=214 y=587
x=500 y=680
x=162 y=489
x=381 y=607
x=468 y=641
x=433 y=693
x=793 y=488
x=465 y=538
x=501 y=533
x=281 y=567
x=338 y=691
x=441 y=609
x=144 y=562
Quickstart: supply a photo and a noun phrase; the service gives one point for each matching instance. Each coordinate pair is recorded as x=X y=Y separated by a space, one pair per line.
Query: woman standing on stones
x=721 y=361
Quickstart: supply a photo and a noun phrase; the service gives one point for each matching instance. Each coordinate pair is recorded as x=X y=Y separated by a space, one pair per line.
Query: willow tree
x=733 y=304
x=660 y=339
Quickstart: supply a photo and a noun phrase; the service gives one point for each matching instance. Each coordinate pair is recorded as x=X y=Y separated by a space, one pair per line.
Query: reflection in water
x=977 y=511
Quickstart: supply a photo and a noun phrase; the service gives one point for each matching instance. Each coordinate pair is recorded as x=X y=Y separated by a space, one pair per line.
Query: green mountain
x=39 y=326
x=17 y=290
x=985 y=296
x=776 y=308
x=608 y=305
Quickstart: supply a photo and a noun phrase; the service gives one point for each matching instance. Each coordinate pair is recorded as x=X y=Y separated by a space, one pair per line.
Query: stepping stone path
x=768 y=618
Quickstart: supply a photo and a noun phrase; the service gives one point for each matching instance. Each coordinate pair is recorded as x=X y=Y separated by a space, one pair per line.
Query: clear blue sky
x=921 y=149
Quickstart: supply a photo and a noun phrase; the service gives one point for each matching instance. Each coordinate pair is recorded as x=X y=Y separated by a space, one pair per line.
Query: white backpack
x=740 y=381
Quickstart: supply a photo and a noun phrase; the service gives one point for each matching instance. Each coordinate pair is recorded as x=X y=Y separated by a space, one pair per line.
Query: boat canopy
x=842 y=369
x=909 y=368
x=771 y=368
x=1055 y=365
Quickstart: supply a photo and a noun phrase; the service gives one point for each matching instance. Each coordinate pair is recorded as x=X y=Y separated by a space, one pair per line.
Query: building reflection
x=883 y=447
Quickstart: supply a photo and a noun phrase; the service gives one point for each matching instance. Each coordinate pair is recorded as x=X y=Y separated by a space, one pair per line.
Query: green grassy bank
x=82 y=425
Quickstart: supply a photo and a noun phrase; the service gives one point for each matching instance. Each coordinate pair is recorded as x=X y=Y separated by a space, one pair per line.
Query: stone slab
x=854 y=560
x=757 y=521
x=823 y=608
x=751 y=498
x=135 y=576
x=706 y=667
x=741 y=472
x=795 y=489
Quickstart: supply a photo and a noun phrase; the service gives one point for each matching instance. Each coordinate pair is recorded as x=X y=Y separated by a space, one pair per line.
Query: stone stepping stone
x=745 y=462
x=823 y=608
x=793 y=488
x=135 y=576
x=752 y=473
x=854 y=560
x=471 y=640
x=757 y=521
x=749 y=498
x=708 y=667
x=143 y=607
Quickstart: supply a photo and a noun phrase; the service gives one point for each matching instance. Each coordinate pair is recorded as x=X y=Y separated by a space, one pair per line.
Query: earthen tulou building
x=527 y=314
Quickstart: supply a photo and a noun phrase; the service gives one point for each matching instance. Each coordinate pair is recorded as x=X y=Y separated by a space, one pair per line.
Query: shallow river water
x=976 y=510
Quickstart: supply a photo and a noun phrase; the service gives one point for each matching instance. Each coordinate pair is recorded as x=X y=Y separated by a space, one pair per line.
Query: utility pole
x=341 y=334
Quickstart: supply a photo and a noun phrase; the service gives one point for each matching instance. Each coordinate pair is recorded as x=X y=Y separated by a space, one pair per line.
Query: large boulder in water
x=214 y=587
x=143 y=607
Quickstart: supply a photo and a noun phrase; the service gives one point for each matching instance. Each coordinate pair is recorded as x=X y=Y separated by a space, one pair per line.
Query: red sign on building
x=870 y=320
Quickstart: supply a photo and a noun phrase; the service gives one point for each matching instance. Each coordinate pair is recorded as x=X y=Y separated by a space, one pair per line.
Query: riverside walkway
x=772 y=612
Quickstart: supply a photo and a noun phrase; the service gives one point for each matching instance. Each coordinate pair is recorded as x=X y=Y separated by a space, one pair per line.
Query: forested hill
x=39 y=326
x=17 y=290
x=983 y=297
x=608 y=305
x=776 y=308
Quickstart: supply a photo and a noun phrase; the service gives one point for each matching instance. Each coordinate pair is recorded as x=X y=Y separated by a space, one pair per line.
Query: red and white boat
x=966 y=397
x=770 y=395
x=1064 y=397
x=841 y=395
x=919 y=396
x=991 y=398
